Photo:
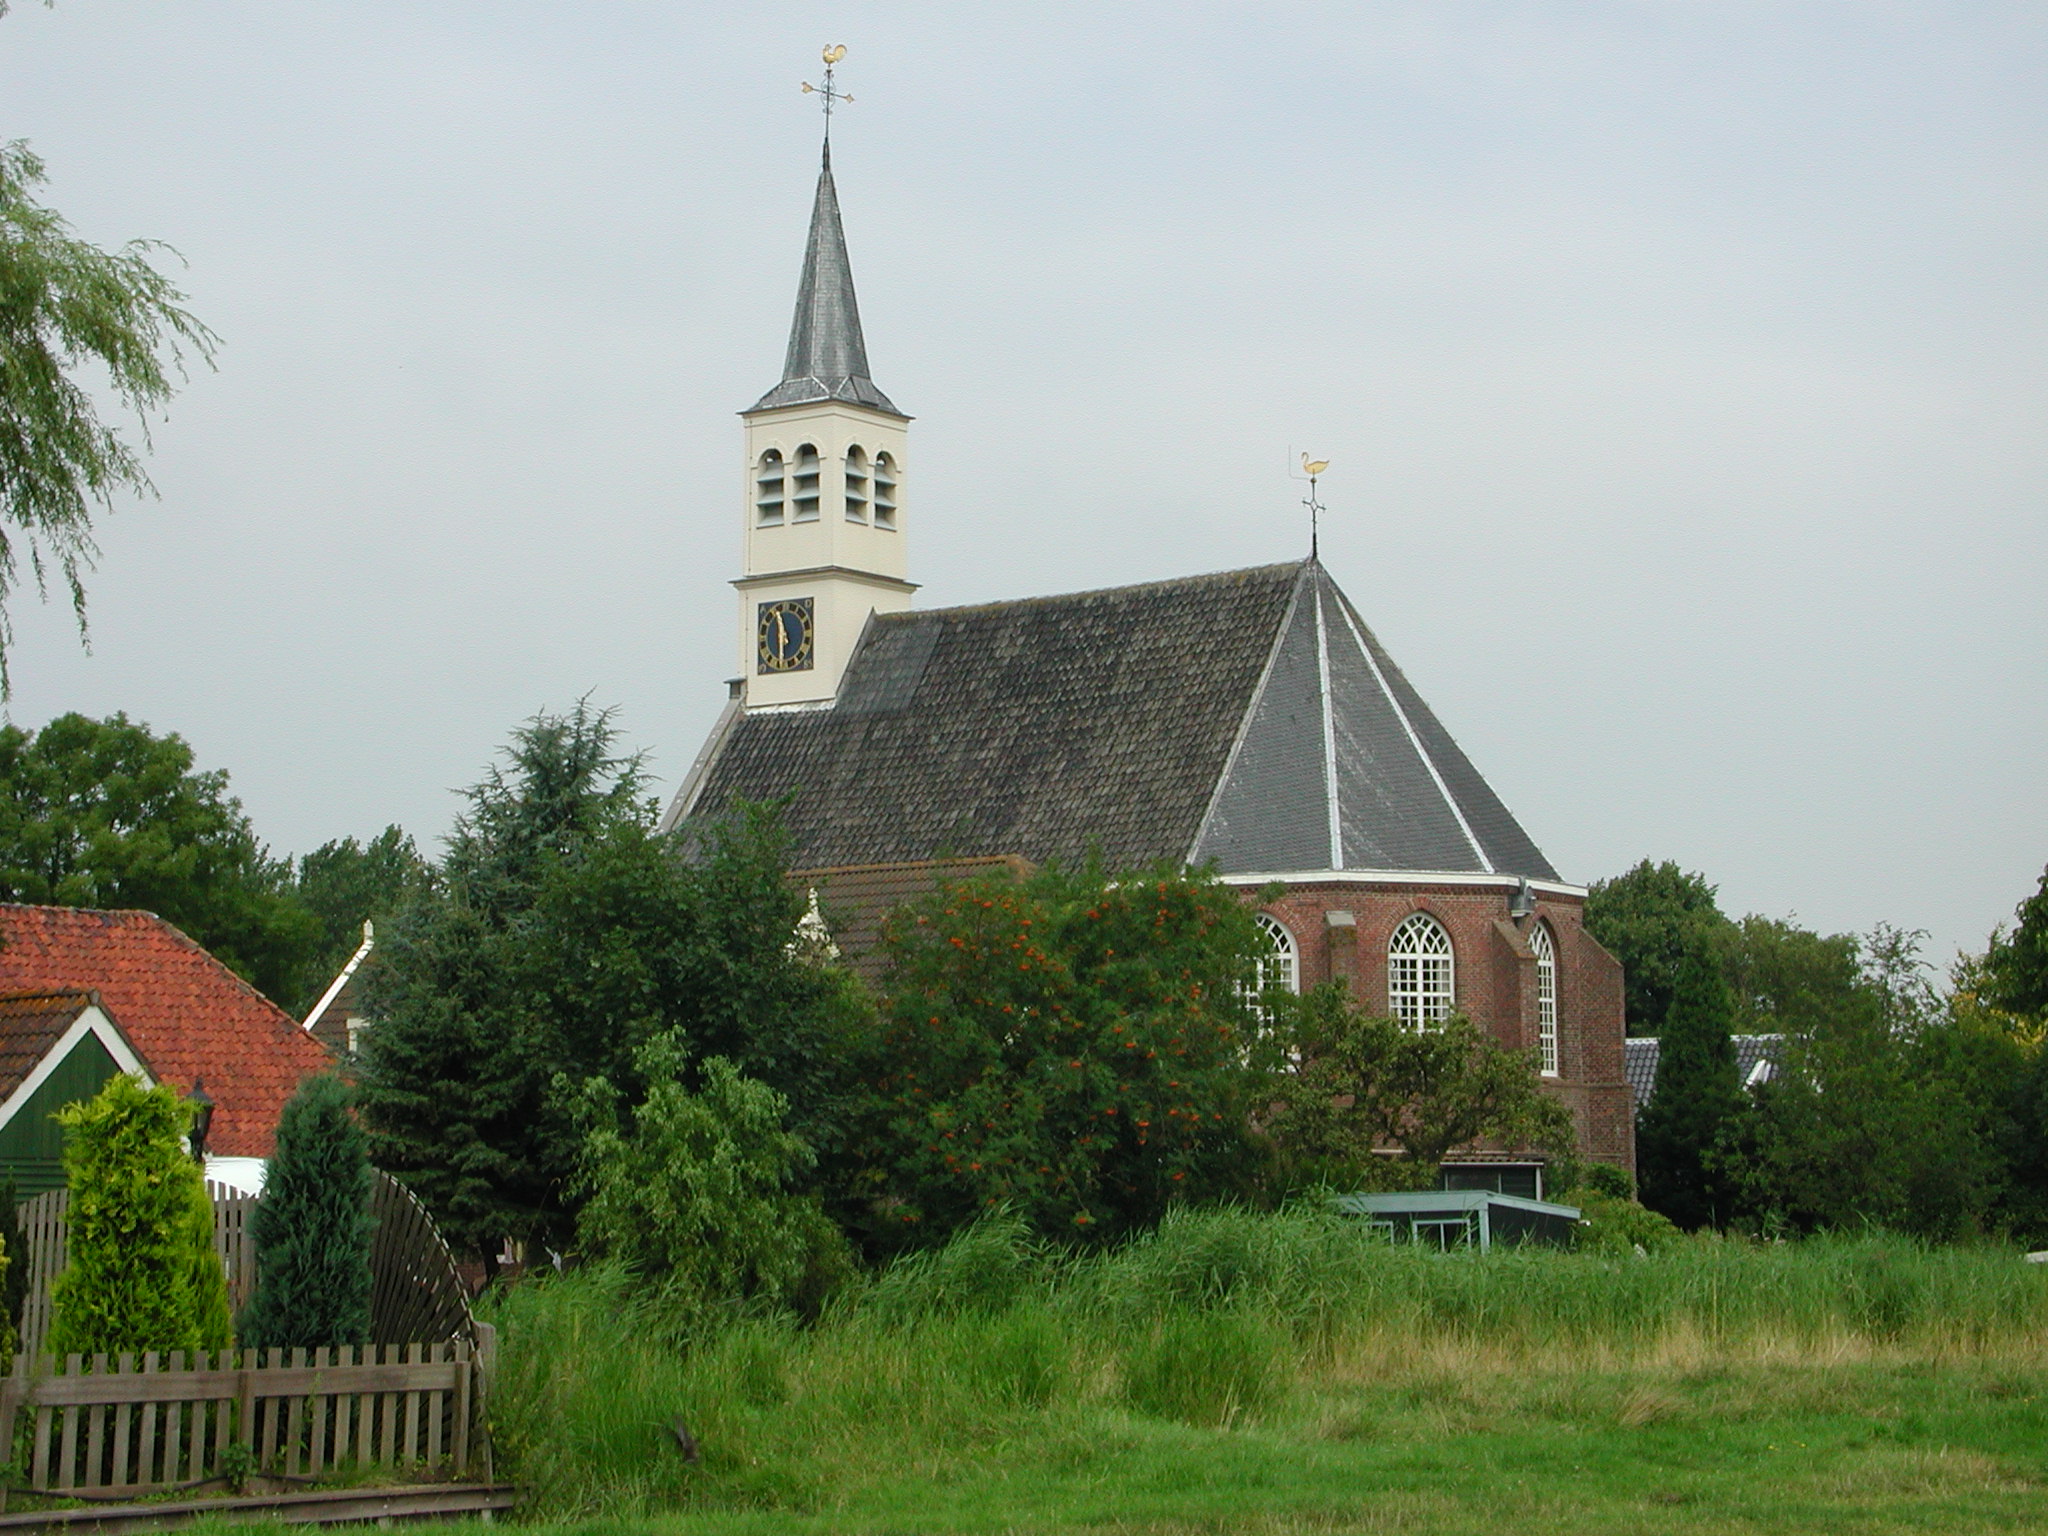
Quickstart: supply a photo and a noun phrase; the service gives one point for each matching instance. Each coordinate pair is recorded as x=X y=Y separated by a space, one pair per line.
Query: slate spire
x=828 y=357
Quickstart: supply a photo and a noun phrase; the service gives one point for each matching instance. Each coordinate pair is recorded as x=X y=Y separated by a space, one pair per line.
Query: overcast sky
x=1680 y=366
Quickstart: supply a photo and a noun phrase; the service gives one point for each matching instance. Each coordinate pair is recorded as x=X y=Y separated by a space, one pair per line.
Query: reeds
x=1218 y=1318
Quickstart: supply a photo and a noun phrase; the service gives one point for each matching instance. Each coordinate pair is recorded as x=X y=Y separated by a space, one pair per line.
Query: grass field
x=1285 y=1374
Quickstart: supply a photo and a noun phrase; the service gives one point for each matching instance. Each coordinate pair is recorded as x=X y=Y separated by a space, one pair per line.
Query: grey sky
x=1680 y=365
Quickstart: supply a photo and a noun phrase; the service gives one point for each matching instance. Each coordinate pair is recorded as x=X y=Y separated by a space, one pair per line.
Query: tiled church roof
x=1189 y=720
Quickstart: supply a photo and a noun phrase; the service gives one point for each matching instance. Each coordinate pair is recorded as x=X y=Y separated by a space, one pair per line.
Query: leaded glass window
x=1420 y=982
x=1545 y=951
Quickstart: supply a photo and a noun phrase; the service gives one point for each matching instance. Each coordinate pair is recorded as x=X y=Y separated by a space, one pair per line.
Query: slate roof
x=1186 y=720
x=828 y=356
x=30 y=1023
x=1755 y=1061
x=188 y=1015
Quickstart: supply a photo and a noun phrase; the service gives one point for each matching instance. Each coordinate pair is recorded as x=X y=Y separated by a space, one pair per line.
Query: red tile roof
x=189 y=1015
x=30 y=1023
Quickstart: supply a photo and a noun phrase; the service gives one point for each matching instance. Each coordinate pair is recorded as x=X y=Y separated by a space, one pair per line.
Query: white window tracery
x=1545 y=951
x=1280 y=965
x=1421 y=982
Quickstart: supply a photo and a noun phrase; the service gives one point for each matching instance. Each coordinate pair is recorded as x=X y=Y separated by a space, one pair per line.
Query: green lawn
x=1765 y=1447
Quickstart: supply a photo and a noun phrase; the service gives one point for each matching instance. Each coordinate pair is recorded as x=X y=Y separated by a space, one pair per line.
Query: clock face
x=783 y=639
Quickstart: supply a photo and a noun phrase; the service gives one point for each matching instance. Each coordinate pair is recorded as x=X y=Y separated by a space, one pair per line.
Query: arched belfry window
x=1545 y=951
x=803 y=489
x=885 y=491
x=1280 y=965
x=856 y=484
x=1421 y=984
x=768 y=492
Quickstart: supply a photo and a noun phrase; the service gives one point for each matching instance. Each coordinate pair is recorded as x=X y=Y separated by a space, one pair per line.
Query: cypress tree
x=1694 y=1108
x=141 y=1272
x=312 y=1228
x=14 y=1284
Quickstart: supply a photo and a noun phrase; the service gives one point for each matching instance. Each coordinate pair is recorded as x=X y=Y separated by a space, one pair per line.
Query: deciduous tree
x=344 y=884
x=1364 y=1084
x=1077 y=1047
x=1651 y=919
x=697 y=1191
x=72 y=315
x=105 y=813
x=2015 y=975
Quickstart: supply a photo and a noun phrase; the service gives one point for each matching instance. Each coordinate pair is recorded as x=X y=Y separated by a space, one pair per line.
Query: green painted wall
x=31 y=1144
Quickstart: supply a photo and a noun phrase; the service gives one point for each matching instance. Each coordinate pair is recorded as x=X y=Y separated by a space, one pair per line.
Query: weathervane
x=834 y=52
x=1313 y=468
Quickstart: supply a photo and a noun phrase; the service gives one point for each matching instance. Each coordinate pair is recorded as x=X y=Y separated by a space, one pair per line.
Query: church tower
x=824 y=509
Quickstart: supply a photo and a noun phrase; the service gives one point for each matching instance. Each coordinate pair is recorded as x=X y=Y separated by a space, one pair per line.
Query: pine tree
x=1695 y=1109
x=312 y=1228
x=141 y=1273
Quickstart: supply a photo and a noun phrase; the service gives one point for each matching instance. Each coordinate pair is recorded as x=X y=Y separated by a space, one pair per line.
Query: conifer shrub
x=142 y=1273
x=312 y=1228
x=14 y=1280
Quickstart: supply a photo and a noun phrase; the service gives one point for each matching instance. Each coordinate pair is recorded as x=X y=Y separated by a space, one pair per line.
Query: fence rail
x=132 y=1426
x=416 y=1292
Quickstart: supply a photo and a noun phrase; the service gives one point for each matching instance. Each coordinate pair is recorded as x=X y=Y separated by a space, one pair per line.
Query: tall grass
x=1218 y=1318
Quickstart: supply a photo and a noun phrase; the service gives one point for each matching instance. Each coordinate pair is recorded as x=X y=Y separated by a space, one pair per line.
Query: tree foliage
x=344 y=884
x=1695 y=1109
x=1651 y=919
x=105 y=813
x=560 y=936
x=695 y=1191
x=1365 y=1083
x=141 y=1272
x=2015 y=975
x=1078 y=1048
x=14 y=1279
x=1861 y=1126
x=67 y=307
x=312 y=1228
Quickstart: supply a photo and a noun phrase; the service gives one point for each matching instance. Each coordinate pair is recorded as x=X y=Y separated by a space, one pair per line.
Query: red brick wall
x=1494 y=977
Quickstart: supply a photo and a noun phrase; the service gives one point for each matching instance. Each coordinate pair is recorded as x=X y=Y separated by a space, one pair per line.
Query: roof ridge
x=1134 y=588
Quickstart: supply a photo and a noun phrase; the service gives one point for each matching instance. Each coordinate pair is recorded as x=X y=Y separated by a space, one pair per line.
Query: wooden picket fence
x=109 y=1430
x=416 y=1292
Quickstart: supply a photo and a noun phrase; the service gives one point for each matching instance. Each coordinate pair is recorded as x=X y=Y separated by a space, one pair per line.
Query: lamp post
x=202 y=1117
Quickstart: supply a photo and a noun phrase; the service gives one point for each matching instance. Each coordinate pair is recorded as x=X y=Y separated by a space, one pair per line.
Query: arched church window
x=1420 y=982
x=803 y=490
x=856 y=484
x=1280 y=965
x=885 y=491
x=768 y=490
x=1545 y=951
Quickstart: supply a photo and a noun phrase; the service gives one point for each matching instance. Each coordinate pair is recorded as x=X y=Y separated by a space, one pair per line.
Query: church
x=1247 y=720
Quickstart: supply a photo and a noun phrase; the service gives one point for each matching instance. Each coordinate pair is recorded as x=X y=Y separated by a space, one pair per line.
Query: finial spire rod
x=1313 y=468
x=833 y=53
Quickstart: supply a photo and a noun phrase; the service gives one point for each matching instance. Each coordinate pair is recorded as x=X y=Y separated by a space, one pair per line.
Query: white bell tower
x=825 y=512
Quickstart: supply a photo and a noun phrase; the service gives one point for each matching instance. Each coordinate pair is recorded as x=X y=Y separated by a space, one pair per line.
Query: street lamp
x=202 y=1117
